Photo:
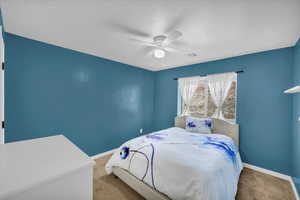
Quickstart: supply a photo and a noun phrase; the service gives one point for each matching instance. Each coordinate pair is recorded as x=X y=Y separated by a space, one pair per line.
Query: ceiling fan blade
x=174 y=35
x=143 y=42
x=175 y=23
x=188 y=53
x=126 y=29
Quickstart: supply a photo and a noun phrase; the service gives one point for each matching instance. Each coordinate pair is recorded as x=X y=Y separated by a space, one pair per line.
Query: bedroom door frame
x=2 y=48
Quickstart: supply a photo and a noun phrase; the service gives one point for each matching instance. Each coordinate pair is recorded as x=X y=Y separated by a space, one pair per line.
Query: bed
x=209 y=170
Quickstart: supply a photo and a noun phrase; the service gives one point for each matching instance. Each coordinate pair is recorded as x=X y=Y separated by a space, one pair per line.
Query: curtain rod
x=241 y=71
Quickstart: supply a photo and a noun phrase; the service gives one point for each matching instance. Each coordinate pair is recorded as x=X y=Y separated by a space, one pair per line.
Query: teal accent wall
x=96 y=103
x=264 y=113
x=296 y=114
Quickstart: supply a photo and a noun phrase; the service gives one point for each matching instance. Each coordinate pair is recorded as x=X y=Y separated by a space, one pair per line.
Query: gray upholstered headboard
x=219 y=126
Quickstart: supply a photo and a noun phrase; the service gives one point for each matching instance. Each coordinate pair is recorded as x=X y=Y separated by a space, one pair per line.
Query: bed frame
x=219 y=126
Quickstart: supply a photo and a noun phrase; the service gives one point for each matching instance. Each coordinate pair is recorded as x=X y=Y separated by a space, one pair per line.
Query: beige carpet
x=252 y=186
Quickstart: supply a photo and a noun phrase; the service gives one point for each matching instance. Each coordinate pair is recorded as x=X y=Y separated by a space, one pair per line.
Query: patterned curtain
x=187 y=88
x=219 y=85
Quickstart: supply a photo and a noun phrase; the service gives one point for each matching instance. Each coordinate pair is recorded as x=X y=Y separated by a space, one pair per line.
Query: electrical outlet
x=141 y=131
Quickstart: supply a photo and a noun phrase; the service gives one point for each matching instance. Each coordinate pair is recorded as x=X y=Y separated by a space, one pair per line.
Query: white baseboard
x=276 y=174
x=103 y=154
x=266 y=171
x=294 y=189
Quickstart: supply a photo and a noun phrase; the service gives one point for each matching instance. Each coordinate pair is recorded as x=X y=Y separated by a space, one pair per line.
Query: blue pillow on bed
x=199 y=125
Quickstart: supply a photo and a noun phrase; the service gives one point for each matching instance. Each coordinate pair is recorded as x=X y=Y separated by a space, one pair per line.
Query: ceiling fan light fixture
x=159 y=53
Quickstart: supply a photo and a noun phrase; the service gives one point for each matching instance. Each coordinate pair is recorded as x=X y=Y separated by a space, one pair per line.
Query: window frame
x=179 y=101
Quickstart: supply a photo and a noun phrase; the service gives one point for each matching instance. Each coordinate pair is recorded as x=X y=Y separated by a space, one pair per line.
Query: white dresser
x=50 y=168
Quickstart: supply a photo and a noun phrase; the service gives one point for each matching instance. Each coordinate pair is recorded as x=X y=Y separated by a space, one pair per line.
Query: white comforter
x=183 y=165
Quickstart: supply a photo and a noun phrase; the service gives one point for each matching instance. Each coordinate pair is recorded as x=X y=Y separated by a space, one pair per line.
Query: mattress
x=182 y=165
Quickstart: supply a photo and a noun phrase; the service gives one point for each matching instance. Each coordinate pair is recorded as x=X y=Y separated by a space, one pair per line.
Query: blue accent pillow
x=199 y=125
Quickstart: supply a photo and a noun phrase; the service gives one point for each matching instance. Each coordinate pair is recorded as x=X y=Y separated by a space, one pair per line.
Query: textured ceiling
x=213 y=29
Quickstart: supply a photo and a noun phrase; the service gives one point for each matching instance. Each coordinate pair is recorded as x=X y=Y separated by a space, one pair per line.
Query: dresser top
x=28 y=163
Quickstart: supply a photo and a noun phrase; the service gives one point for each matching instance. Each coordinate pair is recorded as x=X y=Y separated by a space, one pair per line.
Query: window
x=201 y=101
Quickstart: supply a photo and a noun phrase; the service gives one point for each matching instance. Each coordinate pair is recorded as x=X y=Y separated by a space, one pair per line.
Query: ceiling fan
x=160 y=43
